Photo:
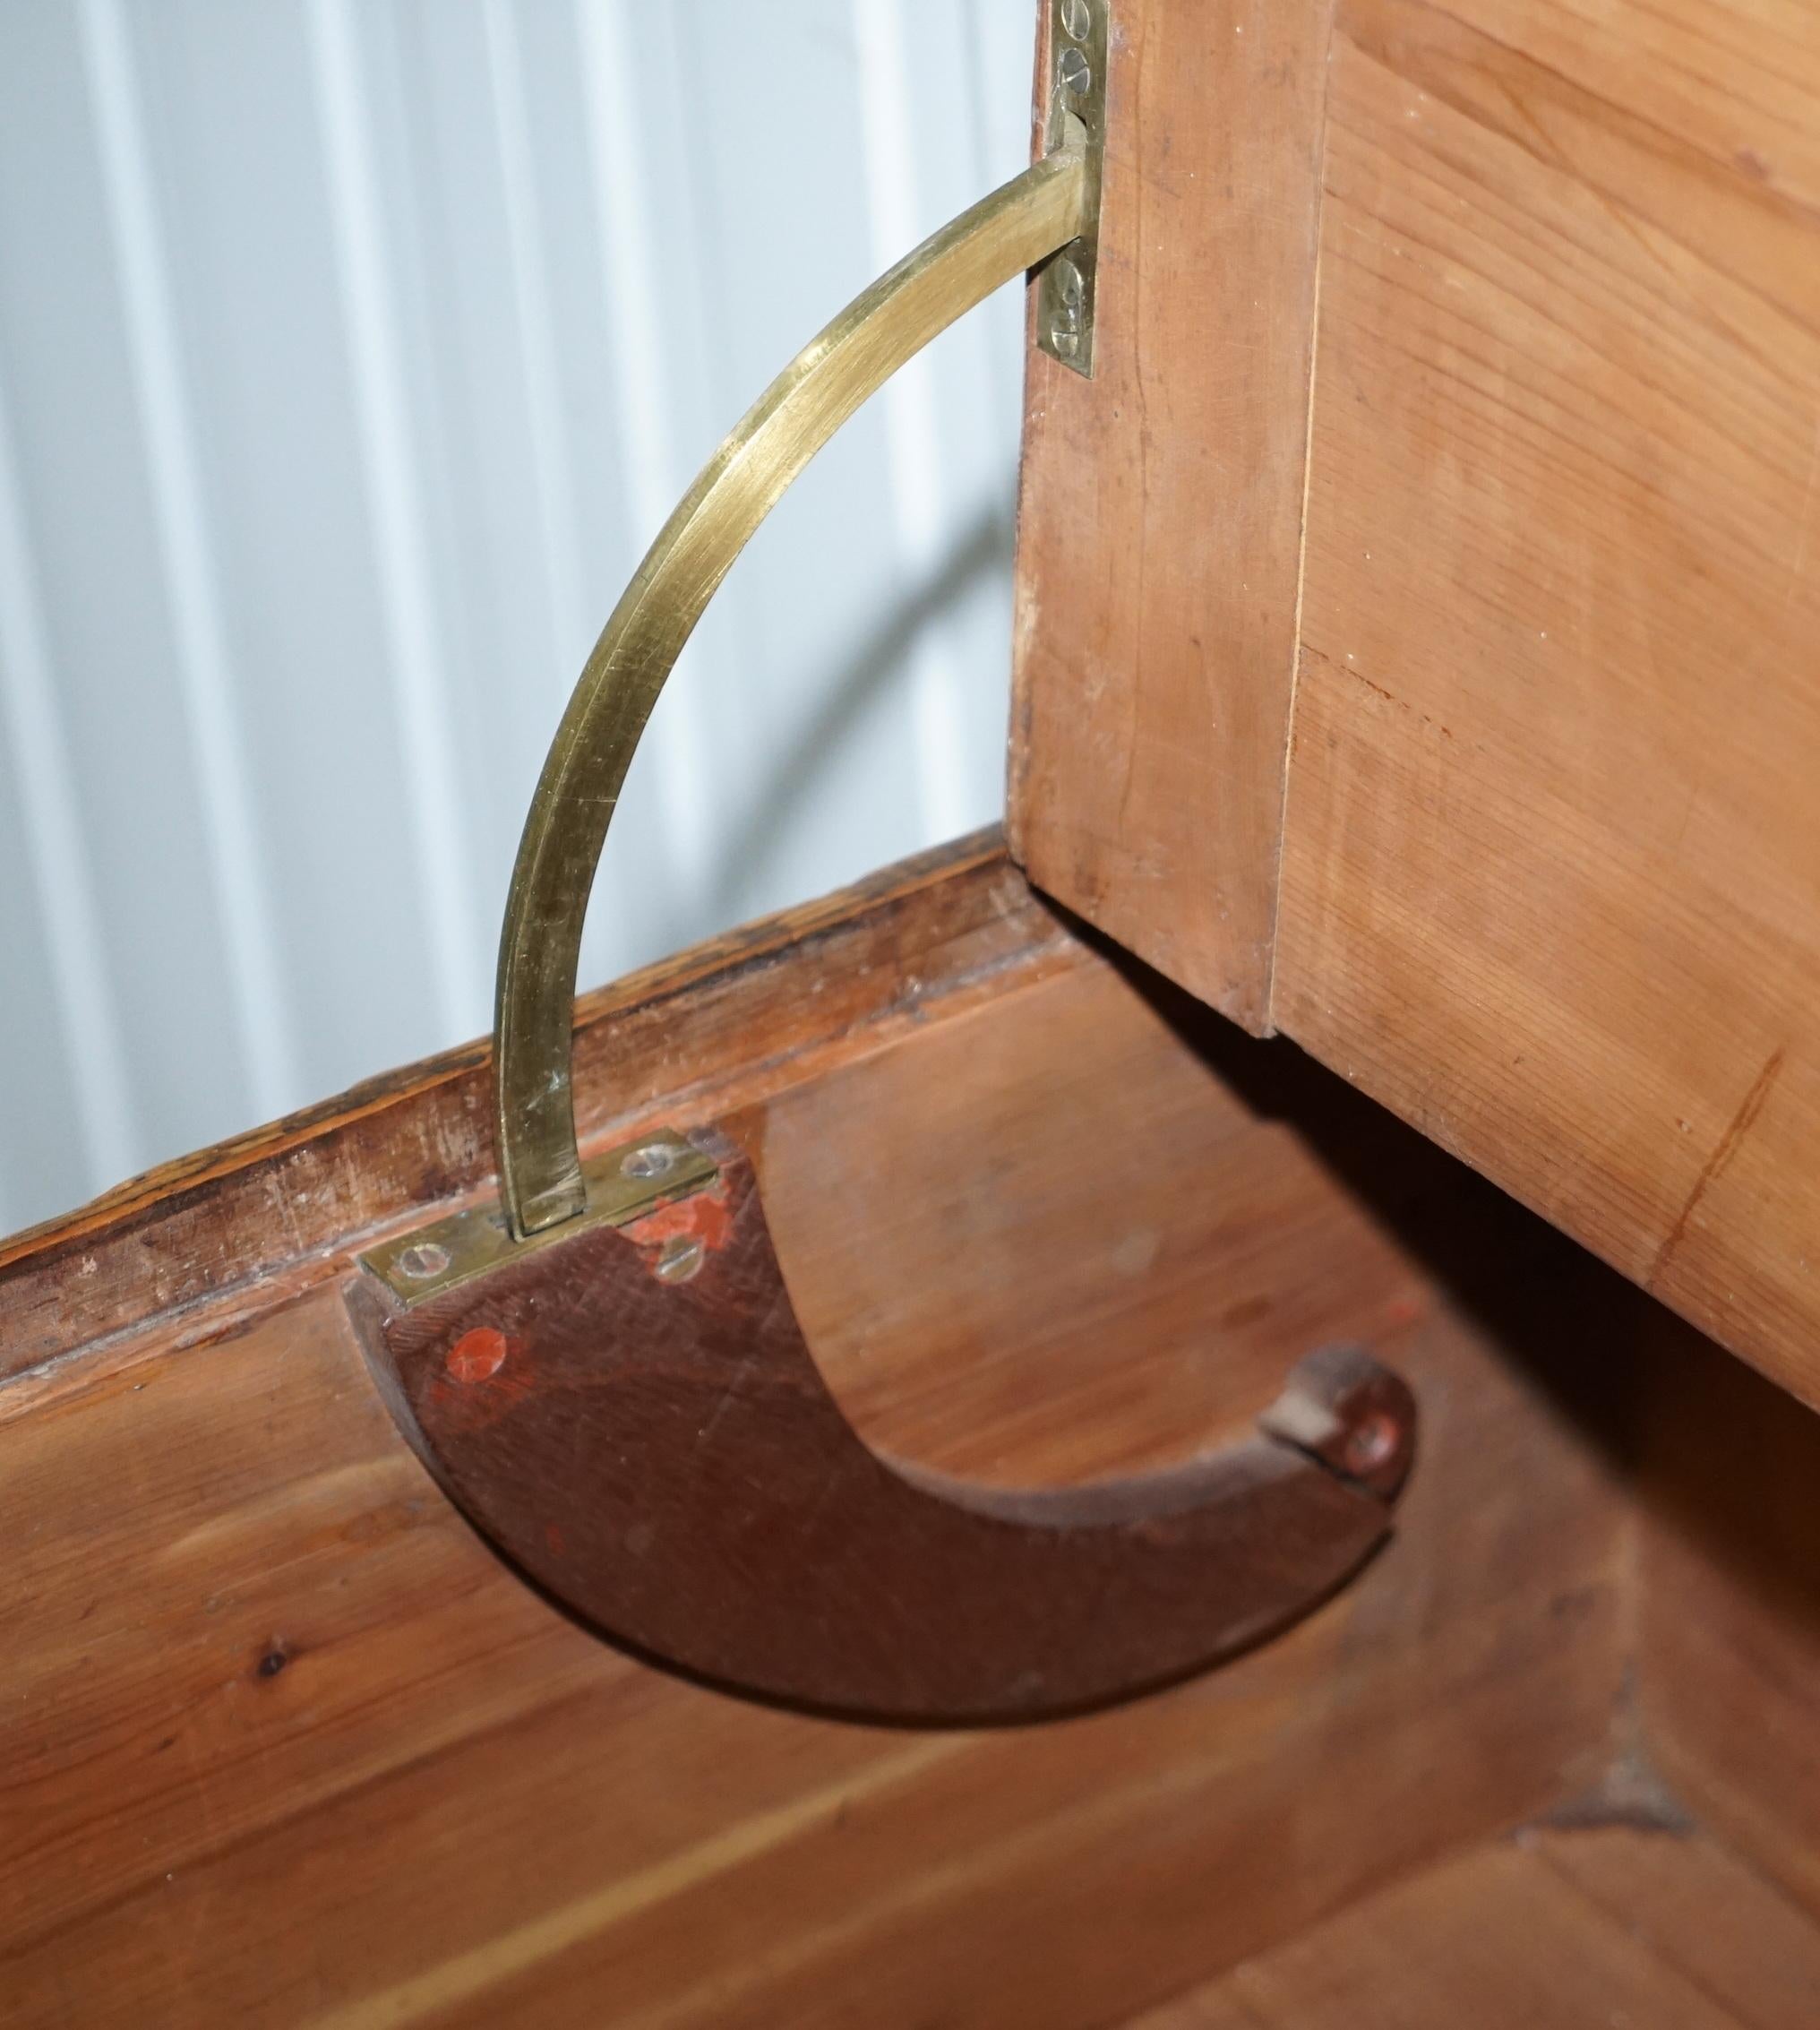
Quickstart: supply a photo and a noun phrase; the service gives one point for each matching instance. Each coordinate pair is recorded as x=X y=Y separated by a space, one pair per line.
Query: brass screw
x=651 y=1161
x=1075 y=72
x=1077 y=19
x=423 y=1259
x=681 y=1260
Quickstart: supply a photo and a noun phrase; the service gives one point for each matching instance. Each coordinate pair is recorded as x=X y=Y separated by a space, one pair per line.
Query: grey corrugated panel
x=353 y=353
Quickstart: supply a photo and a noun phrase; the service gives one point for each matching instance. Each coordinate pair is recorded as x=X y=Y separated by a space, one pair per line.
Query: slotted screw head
x=423 y=1259
x=681 y=1260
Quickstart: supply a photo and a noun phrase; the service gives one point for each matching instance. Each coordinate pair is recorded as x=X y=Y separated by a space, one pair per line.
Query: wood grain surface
x=1546 y=873
x=707 y=1032
x=1161 y=503
x=1565 y=1930
x=1551 y=869
x=282 y=1740
x=285 y=1741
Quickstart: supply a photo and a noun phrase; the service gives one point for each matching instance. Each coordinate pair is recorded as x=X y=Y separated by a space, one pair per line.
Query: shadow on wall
x=982 y=552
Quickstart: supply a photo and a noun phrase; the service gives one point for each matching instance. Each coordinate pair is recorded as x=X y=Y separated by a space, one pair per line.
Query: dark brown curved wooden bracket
x=633 y=1415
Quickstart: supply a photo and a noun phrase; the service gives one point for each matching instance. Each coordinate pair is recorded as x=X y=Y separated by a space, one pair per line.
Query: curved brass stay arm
x=612 y=1382
x=1018 y=226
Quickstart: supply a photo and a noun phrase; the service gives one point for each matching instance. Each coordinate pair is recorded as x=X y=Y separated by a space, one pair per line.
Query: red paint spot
x=706 y=1216
x=482 y=1375
x=477 y=1354
x=553 y=1536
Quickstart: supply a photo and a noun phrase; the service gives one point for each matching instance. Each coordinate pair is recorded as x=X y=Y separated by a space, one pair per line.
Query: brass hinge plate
x=622 y=1185
x=1066 y=282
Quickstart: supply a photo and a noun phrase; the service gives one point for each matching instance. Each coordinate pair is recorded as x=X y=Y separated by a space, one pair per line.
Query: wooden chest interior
x=284 y=1740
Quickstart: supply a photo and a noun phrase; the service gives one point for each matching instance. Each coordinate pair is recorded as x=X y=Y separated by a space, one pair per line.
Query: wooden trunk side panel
x=1551 y=872
x=284 y=1740
x=1160 y=508
x=715 y=1028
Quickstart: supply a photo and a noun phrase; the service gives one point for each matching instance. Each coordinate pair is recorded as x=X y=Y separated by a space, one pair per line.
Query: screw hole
x=653 y=1160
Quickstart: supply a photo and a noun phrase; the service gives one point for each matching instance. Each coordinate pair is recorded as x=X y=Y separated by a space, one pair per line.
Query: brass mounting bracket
x=621 y=1186
x=1065 y=287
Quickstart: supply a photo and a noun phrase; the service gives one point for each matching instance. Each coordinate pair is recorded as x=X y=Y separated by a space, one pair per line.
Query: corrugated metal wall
x=351 y=353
